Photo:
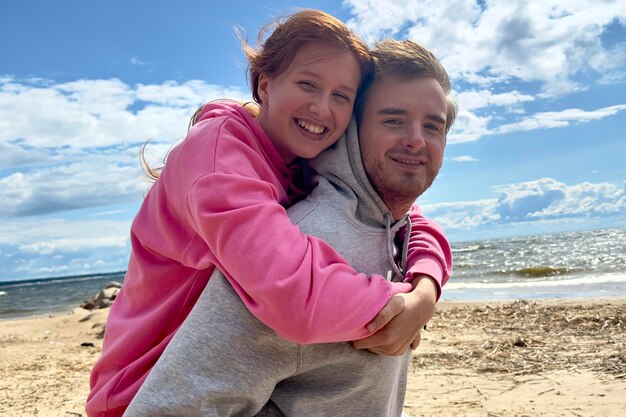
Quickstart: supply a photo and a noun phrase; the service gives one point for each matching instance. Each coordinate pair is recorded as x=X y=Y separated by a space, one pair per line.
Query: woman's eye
x=343 y=97
x=307 y=85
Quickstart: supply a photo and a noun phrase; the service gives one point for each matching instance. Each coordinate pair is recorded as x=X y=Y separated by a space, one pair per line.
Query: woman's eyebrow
x=316 y=76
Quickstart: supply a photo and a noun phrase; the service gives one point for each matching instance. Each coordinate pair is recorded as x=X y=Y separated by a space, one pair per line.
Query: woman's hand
x=399 y=323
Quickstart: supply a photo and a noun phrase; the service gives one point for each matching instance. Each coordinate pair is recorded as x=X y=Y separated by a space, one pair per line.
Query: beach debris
x=87 y=344
x=85 y=318
x=105 y=297
x=100 y=334
x=520 y=342
x=98 y=330
x=526 y=337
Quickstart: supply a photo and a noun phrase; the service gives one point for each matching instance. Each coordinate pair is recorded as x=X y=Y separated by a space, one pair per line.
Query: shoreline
x=490 y=358
x=443 y=303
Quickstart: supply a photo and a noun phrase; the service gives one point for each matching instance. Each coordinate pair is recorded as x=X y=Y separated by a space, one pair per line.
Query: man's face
x=403 y=136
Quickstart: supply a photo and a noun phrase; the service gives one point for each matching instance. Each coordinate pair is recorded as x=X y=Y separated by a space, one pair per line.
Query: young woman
x=219 y=203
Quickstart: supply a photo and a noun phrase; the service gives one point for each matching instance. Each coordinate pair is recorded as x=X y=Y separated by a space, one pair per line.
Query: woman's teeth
x=311 y=127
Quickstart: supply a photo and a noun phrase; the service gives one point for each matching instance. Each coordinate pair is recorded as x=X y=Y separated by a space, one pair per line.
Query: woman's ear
x=263 y=89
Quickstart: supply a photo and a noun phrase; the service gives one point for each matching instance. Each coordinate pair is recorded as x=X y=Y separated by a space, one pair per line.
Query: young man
x=224 y=362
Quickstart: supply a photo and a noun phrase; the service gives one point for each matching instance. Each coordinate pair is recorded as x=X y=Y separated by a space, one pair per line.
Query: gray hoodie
x=225 y=362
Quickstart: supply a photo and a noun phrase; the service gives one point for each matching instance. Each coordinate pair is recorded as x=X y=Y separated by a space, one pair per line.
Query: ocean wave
x=586 y=280
x=7 y=312
x=468 y=249
x=468 y=269
x=60 y=280
x=540 y=271
x=3 y=293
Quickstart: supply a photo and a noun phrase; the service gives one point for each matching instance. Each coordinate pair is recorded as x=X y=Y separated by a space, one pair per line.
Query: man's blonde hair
x=407 y=59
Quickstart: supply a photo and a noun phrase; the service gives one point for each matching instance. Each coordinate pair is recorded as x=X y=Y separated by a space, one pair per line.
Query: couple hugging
x=279 y=265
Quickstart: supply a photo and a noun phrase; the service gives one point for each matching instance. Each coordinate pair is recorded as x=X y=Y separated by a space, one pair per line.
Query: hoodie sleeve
x=295 y=284
x=428 y=252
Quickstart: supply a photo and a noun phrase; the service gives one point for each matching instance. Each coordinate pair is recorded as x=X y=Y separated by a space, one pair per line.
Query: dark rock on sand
x=105 y=297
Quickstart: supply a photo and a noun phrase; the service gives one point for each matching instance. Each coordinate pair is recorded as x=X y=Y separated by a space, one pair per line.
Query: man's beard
x=399 y=194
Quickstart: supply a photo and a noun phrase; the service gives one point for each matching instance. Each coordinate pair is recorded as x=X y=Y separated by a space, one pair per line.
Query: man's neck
x=399 y=209
x=398 y=205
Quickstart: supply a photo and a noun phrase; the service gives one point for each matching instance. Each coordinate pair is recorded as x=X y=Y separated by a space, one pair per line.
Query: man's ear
x=263 y=89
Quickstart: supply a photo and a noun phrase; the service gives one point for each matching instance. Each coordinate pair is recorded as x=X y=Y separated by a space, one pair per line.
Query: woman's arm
x=429 y=265
x=296 y=284
x=429 y=251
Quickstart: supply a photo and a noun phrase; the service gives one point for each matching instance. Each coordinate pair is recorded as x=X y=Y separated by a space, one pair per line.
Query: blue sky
x=538 y=147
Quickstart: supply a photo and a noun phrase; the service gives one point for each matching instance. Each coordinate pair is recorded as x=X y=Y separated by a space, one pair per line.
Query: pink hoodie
x=217 y=204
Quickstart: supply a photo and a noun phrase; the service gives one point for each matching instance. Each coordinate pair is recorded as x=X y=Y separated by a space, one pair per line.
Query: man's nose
x=415 y=138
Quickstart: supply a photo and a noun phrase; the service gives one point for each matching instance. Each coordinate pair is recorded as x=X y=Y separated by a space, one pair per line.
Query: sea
x=588 y=264
x=50 y=295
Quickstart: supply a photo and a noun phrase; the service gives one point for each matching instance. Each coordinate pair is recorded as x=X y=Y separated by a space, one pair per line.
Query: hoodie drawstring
x=405 y=243
x=390 y=246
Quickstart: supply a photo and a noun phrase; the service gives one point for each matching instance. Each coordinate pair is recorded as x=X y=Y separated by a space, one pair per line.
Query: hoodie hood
x=343 y=183
x=341 y=167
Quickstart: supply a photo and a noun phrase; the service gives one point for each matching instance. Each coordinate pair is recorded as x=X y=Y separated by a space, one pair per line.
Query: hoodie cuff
x=430 y=266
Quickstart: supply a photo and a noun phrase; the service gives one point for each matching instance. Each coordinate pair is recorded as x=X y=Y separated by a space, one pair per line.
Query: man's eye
x=392 y=122
x=434 y=128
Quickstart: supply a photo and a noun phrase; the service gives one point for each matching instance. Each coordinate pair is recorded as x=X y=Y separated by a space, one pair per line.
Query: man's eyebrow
x=391 y=111
x=436 y=118
x=394 y=111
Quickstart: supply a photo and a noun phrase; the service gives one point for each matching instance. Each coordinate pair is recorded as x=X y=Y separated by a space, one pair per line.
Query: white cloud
x=50 y=235
x=560 y=119
x=190 y=94
x=139 y=62
x=30 y=231
x=585 y=199
x=550 y=41
x=462 y=215
x=542 y=200
x=99 y=113
x=469 y=127
x=72 y=145
x=15 y=155
x=95 y=181
x=35 y=247
x=504 y=55
x=520 y=201
x=73 y=245
x=464 y=158
x=477 y=99
x=375 y=19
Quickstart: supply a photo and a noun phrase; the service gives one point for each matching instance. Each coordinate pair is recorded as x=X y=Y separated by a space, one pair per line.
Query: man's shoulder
x=317 y=217
x=302 y=210
x=324 y=220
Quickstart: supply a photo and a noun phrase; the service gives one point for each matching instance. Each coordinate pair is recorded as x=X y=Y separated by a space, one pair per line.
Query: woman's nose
x=320 y=106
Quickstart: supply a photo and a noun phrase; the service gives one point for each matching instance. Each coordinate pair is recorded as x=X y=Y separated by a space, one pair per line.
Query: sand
x=550 y=358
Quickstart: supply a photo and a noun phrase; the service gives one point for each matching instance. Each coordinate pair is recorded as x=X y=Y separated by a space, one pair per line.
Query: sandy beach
x=525 y=358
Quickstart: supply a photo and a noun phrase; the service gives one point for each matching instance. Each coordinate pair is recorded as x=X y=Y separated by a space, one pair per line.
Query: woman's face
x=306 y=108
